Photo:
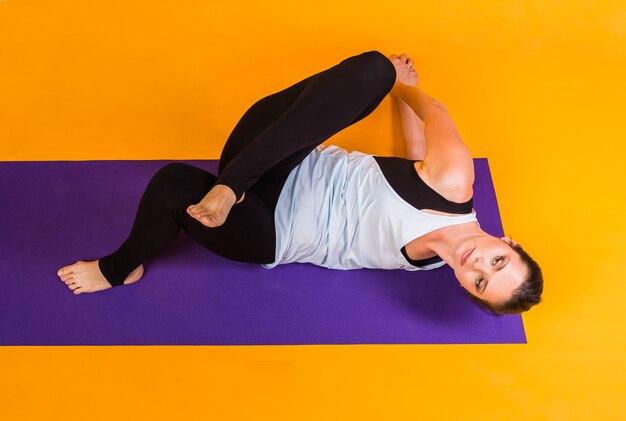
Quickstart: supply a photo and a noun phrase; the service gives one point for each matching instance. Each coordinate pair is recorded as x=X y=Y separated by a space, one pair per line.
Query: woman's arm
x=412 y=125
x=448 y=164
x=412 y=132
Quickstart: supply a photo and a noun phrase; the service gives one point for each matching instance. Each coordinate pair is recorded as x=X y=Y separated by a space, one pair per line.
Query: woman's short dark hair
x=526 y=295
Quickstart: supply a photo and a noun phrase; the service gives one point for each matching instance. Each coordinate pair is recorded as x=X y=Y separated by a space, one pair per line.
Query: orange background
x=535 y=86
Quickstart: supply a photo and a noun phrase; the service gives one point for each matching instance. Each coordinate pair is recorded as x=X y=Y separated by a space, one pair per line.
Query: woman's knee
x=180 y=177
x=174 y=168
x=377 y=69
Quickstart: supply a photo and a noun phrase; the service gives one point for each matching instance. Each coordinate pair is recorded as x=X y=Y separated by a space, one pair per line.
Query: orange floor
x=535 y=86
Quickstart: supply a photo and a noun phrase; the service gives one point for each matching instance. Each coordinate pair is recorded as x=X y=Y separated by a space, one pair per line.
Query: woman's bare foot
x=215 y=206
x=86 y=277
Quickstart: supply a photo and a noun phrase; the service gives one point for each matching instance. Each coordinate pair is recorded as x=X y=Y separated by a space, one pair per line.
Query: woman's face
x=488 y=267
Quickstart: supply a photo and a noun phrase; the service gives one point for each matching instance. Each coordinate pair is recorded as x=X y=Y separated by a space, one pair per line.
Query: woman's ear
x=509 y=241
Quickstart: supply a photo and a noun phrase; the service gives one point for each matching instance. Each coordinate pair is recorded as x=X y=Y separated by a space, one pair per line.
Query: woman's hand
x=405 y=73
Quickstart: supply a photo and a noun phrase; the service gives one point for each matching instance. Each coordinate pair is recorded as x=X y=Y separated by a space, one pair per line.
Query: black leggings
x=269 y=141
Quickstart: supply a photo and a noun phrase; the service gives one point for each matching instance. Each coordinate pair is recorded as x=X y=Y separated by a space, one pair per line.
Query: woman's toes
x=69 y=269
x=83 y=276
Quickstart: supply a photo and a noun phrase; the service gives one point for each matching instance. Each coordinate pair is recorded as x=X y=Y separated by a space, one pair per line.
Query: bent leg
x=248 y=235
x=327 y=103
x=330 y=101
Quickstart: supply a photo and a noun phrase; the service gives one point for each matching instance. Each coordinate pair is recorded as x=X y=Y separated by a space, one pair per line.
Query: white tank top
x=337 y=210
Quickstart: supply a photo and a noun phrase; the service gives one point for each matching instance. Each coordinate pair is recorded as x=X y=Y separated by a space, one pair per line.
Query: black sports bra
x=401 y=175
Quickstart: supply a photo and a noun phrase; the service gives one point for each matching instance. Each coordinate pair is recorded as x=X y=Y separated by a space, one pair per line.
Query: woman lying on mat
x=282 y=197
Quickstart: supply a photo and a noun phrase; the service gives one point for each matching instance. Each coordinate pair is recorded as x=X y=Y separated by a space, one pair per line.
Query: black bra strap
x=401 y=175
x=421 y=262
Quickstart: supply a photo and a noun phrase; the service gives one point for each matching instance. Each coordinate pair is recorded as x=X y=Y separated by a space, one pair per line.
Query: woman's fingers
x=404 y=69
x=403 y=59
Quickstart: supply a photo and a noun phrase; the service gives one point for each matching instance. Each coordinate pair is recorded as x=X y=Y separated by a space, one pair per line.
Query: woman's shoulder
x=458 y=189
x=402 y=176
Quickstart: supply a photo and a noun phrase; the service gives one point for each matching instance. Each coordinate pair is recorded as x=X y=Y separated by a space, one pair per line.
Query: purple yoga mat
x=55 y=213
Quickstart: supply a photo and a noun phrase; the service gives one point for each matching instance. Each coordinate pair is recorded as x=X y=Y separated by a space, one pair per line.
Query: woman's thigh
x=258 y=118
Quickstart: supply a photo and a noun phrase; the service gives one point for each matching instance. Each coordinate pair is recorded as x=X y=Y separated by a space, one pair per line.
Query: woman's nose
x=478 y=263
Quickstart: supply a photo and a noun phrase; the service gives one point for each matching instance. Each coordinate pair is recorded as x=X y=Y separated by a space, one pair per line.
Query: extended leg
x=248 y=236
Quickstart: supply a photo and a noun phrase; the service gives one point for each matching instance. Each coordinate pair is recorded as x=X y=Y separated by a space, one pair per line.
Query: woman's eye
x=497 y=260
x=479 y=281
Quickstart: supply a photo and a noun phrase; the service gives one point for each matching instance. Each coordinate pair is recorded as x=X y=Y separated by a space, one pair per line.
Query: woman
x=282 y=197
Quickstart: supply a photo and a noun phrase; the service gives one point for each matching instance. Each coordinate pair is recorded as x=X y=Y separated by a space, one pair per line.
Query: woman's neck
x=444 y=241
